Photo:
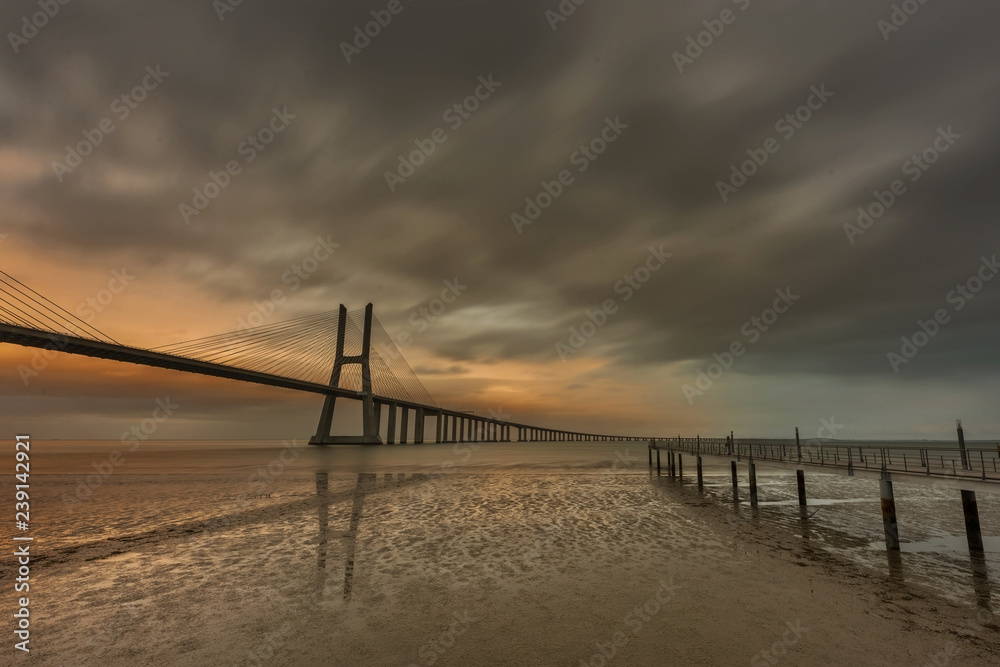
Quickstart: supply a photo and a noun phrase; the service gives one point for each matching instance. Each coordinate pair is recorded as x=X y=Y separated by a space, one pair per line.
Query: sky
x=756 y=201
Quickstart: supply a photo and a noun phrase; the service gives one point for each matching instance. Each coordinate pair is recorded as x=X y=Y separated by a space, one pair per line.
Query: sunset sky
x=627 y=133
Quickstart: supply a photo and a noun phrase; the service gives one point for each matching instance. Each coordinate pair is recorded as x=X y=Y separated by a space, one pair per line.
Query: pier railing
x=977 y=463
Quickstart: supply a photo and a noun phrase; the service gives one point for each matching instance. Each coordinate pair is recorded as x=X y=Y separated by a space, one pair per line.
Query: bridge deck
x=133 y=355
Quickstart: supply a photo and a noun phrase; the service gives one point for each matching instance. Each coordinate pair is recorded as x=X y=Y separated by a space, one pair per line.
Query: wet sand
x=484 y=569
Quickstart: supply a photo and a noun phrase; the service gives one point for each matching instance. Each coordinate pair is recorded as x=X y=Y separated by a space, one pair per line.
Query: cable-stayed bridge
x=340 y=354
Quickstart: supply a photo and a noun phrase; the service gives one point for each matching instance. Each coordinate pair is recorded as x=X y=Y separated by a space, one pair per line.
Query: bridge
x=339 y=354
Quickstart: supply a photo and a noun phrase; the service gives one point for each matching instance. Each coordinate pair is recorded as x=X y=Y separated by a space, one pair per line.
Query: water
x=452 y=518
x=178 y=482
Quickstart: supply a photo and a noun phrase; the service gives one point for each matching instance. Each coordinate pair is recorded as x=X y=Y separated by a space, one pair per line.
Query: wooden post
x=736 y=491
x=800 y=478
x=753 y=483
x=961 y=445
x=673 y=464
x=657 y=462
x=680 y=466
x=889 y=514
x=699 y=472
x=798 y=445
x=972 y=528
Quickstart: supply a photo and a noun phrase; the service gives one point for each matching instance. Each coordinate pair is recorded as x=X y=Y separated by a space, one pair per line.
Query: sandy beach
x=502 y=568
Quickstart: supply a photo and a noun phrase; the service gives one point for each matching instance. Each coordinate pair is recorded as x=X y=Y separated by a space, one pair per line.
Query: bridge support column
x=437 y=429
x=973 y=531
x=461 y=429
x=403 y=426
x=889 y=525
x=370 y=423
x=454 y=428
x=418 y=426
x=390 y=436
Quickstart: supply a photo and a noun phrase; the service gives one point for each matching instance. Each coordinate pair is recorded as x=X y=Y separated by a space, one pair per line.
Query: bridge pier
x=403 y=426
x=437 y=429
x=418 y=426
x=390 y=436
x=370 y=421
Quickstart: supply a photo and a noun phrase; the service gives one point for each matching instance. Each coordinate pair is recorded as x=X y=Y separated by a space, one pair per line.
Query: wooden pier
x=965 y=469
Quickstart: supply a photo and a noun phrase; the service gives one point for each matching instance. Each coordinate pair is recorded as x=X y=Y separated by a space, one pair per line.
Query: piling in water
x=889 y=515
x=972 y=528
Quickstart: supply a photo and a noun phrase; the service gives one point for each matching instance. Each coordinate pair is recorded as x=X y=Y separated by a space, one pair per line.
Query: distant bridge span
x=297 y=355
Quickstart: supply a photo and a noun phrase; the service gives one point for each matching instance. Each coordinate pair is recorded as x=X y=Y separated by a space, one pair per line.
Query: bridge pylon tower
x=370 y=434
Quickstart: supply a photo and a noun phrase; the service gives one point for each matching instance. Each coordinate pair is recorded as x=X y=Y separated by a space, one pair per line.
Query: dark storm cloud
x=656 y=184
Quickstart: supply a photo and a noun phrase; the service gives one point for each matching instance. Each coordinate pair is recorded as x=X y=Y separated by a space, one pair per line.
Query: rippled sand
x=478 y=569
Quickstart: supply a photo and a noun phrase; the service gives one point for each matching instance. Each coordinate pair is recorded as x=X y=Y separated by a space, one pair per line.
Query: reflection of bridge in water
x=338 y=354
